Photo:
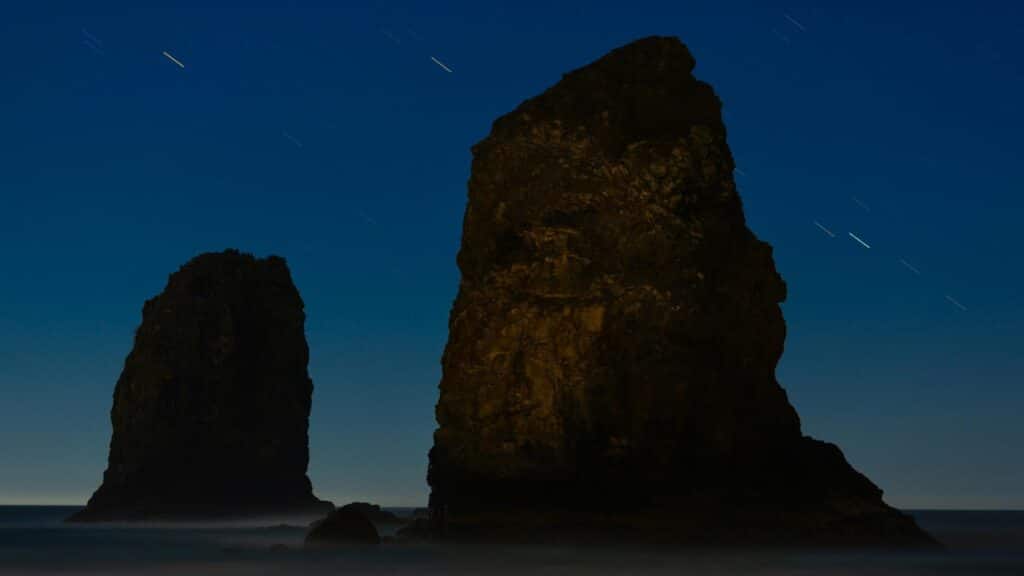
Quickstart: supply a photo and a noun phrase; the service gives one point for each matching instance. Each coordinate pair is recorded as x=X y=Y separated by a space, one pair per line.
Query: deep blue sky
x=326 y=134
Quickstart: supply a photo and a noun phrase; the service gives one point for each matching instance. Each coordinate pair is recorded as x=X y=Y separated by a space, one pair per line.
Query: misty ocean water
x=34 y=540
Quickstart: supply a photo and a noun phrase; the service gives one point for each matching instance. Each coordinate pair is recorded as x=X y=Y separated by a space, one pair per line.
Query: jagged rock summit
x=211 y=411
x=611 y=359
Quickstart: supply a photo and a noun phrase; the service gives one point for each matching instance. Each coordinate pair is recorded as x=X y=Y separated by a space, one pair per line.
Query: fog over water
x=34 y=540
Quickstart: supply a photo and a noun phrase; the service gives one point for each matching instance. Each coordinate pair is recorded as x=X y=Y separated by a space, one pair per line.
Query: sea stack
x=610 y=367
x=211 y=411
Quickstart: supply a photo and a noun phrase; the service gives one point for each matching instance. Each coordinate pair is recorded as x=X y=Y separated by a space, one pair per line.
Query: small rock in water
x=374 y=513
x=345 y=526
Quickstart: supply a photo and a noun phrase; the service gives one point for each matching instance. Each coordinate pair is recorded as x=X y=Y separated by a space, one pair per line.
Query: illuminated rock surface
x=610 y=366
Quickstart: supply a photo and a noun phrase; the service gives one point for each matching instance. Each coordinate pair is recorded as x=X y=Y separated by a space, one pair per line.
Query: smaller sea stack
x=211 y=411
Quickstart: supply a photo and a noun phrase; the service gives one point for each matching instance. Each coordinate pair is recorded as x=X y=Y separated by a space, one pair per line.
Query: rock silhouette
x=345 y=526
x=211 y=410
x=374 y=513
x=611 y=359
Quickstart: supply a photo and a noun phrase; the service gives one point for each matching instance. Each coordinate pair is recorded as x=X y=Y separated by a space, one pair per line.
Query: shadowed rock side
x=611 y=358
x=211 y=411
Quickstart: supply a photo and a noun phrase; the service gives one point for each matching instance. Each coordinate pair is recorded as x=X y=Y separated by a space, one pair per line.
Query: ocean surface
x=34 y=540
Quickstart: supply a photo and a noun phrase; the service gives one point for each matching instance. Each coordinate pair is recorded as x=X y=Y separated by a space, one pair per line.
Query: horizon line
x=386 y=506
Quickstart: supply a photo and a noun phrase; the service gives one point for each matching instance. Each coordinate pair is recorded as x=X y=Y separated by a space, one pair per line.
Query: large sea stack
x=610 y=366
x=211 y=411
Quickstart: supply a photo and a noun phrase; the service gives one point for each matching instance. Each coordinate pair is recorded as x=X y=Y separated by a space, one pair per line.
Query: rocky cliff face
x=612 y=349
x=211 y=411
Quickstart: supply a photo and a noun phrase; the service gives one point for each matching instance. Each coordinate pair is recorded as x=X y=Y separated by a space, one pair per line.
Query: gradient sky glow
x=324 y=132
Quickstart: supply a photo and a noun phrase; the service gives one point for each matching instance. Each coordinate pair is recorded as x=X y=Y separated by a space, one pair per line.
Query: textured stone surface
x=612 y=349
x=211 y=410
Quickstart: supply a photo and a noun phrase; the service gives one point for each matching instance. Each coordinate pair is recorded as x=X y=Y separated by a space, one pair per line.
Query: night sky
x=328 y=135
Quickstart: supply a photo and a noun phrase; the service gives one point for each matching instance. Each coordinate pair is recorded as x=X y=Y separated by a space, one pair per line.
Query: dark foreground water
x=33 y=540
